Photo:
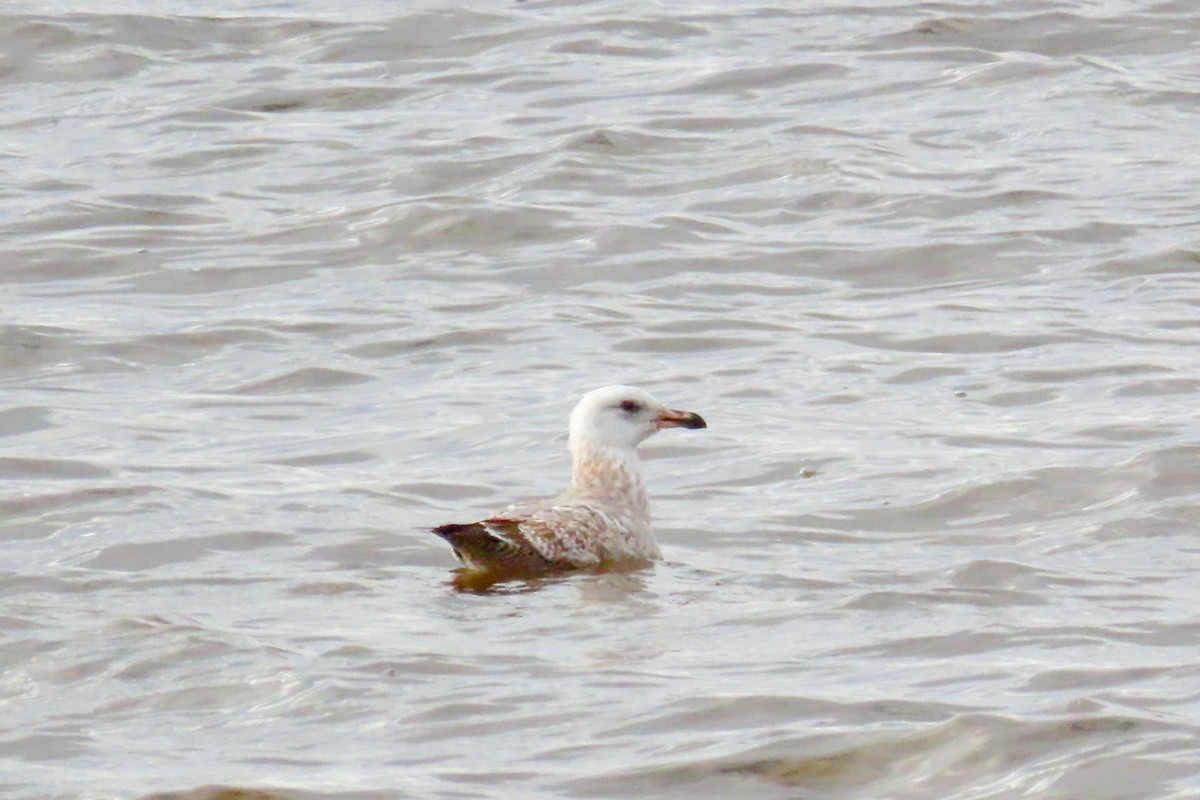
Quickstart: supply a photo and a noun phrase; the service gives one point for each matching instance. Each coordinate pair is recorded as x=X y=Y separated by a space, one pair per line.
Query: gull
x=601 y=519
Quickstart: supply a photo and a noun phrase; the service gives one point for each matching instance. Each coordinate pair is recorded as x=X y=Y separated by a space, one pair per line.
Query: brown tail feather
x=493 y=546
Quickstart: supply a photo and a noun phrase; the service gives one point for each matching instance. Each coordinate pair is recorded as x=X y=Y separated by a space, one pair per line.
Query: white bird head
x=623 y=417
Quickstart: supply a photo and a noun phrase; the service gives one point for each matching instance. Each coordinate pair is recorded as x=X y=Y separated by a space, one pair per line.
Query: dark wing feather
x=495 y=545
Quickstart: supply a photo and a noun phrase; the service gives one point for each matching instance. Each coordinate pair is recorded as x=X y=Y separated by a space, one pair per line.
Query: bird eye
x=630 y=406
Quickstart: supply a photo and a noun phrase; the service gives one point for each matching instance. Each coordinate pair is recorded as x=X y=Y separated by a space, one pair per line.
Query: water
x=286 y=284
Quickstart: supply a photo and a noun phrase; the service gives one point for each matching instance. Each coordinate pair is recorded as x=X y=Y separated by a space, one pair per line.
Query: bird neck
x=607 y=473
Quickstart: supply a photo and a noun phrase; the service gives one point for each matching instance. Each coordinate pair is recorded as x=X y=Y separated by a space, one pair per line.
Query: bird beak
x=679 y=419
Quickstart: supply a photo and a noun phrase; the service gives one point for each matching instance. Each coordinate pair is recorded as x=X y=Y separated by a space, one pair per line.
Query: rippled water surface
x=286 y=284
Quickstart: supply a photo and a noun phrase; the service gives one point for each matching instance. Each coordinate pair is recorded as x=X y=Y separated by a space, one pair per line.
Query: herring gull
x=602 y=518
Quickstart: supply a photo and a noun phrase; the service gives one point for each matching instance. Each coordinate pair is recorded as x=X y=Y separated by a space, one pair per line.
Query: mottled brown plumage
x=496 y=544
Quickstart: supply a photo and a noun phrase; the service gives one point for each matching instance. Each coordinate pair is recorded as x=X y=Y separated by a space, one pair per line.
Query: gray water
x=288 y=283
